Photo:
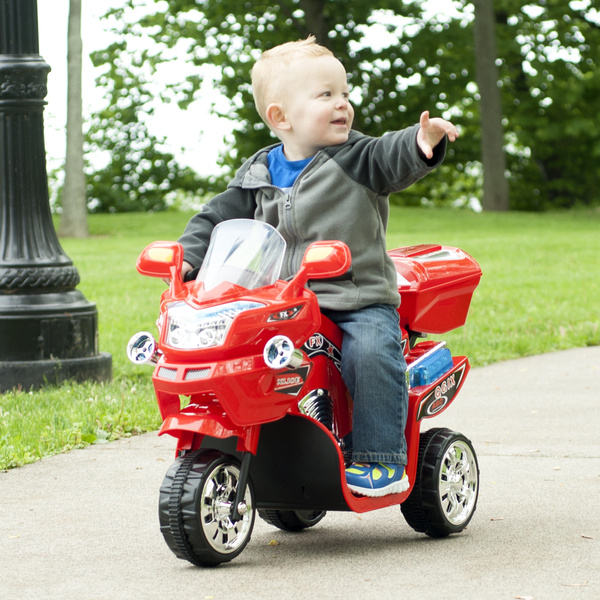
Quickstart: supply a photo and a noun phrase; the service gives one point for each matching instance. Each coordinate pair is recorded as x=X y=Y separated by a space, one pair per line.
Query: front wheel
x=195 y=507
x=444 y=497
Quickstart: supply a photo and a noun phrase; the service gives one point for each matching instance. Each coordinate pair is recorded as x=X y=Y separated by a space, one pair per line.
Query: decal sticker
x=440 y=396
x=319 y=345
x=291 y=382
x=404 y=345
x=285 y=315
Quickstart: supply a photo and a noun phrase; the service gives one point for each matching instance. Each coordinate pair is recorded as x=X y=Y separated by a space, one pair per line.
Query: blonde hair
x=267 y=82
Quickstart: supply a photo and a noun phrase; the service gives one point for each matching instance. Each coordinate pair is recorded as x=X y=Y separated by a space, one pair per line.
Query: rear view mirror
x=322 y=260
x=161 y=259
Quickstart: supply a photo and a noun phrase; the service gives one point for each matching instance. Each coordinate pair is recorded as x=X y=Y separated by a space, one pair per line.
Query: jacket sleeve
x=390 y=163
x=234 y=203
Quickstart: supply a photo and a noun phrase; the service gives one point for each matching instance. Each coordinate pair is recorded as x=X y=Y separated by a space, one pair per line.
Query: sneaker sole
x=393 y=488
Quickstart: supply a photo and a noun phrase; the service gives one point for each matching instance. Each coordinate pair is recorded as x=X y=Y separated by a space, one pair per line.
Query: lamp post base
x=49 y=338
x=39 y=373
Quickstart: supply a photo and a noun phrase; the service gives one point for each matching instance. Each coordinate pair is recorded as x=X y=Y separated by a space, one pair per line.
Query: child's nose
x=342 y=102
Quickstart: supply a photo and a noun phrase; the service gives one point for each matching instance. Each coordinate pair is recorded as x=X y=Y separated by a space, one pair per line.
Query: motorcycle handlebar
x=347 y=276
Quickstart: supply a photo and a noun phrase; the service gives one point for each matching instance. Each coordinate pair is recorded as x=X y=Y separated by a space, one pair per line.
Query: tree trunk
x=314 y=16
x=495 y=185
x=74 y=206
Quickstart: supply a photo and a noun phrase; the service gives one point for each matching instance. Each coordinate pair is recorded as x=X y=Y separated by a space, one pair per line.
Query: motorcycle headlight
x=190 y=329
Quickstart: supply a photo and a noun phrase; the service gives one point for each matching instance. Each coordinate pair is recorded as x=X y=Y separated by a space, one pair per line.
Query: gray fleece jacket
x=342 y=194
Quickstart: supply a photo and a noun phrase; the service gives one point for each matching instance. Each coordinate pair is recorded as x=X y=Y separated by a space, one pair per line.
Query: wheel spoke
x=452 y=507
x=230 y=483
x=211 y=527
x=445 y=487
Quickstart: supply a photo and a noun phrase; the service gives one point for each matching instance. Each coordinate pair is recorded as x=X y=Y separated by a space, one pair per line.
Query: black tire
x=292 y=520
x=195 y=506
x=446 y=488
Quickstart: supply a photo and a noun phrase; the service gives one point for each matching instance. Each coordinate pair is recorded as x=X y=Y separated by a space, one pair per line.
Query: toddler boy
x=325 y=181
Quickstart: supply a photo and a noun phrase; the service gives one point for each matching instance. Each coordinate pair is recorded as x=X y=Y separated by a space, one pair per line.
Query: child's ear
x=276 y=117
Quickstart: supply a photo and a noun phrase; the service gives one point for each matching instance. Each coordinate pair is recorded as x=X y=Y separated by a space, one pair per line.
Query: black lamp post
x=48 y=330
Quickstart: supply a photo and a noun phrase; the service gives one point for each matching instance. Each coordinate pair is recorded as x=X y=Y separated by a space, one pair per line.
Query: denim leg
x=373 y=368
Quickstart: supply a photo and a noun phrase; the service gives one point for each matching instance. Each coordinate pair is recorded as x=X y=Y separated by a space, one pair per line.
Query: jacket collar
x=254 y=173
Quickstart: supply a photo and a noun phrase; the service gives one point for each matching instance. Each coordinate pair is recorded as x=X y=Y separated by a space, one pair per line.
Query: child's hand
x=432 y=131
x=185 y=267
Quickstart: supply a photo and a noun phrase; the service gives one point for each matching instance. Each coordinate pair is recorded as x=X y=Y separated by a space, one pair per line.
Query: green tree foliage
x=402 y=60
x=138 y=174
x=550 y=53
x=392 y=83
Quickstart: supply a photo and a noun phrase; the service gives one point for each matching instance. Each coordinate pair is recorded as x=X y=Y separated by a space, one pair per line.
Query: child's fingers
x=427 y=149
x=441 y=126
x=452 y=133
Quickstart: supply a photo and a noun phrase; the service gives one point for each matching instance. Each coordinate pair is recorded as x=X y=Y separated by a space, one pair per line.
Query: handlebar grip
x=191 y=275
x=347 y=276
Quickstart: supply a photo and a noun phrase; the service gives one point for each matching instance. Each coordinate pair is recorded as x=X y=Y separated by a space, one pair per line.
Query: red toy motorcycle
x=247 y=378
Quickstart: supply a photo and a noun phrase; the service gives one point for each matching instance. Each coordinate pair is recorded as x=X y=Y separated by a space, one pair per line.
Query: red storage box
x=436 y=284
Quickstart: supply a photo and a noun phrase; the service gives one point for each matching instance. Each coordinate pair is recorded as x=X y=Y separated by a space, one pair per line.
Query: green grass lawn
x=540 y=289
x=540 y=292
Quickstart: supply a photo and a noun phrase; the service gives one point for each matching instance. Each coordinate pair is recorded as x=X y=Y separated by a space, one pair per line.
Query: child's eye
x=326 y=94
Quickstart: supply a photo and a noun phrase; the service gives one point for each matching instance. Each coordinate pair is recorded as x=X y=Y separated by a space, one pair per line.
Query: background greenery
x=401 y=59
x=540 y=292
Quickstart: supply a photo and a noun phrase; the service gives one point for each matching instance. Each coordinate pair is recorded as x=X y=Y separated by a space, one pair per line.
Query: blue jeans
x=374 y=370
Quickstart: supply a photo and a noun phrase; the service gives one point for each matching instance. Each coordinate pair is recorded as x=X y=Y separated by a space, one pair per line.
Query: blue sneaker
x=376 y=479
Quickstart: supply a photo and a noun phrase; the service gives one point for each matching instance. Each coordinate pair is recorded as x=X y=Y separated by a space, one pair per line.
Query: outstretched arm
x=432 y=131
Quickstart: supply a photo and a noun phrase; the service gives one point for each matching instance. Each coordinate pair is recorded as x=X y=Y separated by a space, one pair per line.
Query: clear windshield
x=244 y=252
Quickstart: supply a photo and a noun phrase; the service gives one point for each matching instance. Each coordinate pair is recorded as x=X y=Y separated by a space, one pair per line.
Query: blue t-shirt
x=284 y=172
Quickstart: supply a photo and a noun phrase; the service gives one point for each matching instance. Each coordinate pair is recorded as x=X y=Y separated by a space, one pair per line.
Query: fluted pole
x=48 y=330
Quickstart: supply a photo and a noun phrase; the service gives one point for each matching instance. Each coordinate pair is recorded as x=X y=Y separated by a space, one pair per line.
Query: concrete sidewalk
x=84 y=525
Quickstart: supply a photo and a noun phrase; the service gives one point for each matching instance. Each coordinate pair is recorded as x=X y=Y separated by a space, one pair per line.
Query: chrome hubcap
x=458 y=483
x=218 y=495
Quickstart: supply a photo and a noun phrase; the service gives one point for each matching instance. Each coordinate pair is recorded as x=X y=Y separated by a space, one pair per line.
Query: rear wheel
x=292 y=520
x=444 y=497
x=195 y=507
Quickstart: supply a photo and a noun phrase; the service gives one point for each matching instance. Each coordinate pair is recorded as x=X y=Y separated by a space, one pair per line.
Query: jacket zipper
x=288 y=217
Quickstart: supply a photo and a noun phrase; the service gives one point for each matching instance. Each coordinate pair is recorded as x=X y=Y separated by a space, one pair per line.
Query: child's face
x=316 y=106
